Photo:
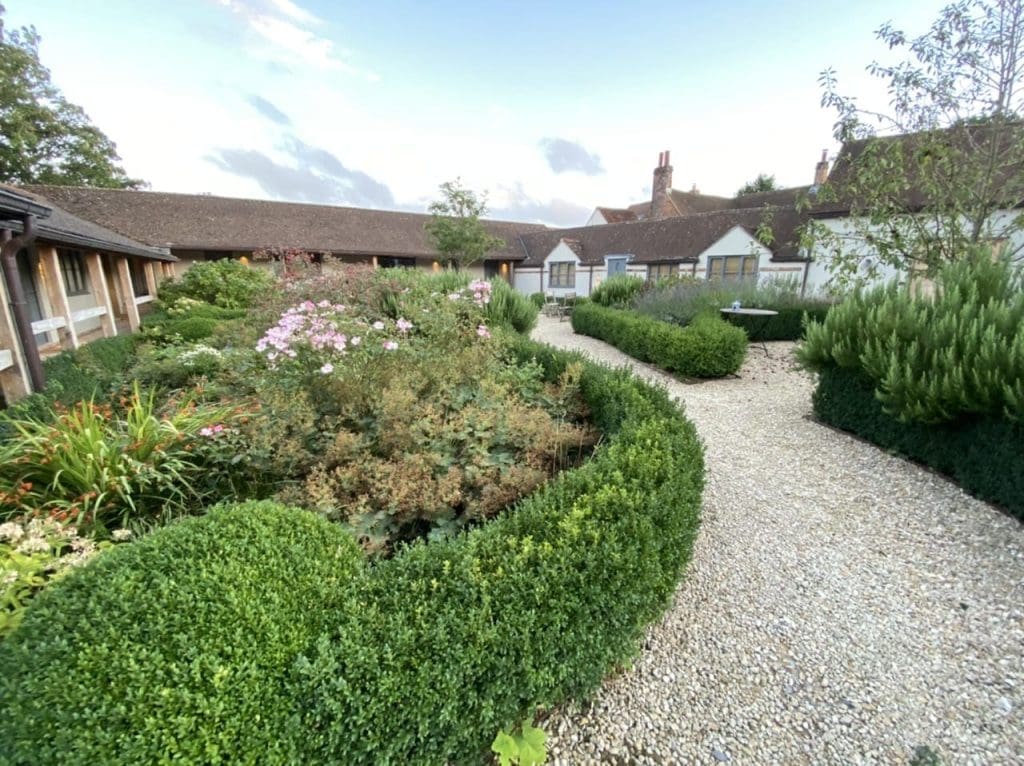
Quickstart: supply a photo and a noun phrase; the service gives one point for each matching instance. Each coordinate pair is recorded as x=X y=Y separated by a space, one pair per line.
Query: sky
x=551 y=108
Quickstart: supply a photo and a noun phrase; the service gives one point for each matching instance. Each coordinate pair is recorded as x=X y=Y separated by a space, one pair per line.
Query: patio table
x=765 y=316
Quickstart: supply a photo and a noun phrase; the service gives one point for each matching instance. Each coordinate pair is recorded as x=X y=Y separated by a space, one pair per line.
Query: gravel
x=842 y=605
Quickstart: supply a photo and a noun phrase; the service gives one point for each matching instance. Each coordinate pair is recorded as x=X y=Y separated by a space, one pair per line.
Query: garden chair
x=550 y=304
x=565 y=308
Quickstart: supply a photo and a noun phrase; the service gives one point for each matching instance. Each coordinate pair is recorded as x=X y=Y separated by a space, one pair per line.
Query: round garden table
x=764 y=315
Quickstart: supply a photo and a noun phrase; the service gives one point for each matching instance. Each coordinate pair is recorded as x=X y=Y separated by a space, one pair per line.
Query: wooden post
x=98 y=280
x=167 y=269
x=150 y=273
x=14 y=380
x=58 y=295
x=124 y=280
x=375 y=262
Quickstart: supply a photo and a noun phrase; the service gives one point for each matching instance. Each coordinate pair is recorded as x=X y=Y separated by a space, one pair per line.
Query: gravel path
x=842 y=606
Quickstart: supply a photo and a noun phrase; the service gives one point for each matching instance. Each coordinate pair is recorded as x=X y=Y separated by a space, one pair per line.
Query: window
x=658 y=271
x=395 y=263
x=563 y=275
x=735 y=267
x=72 y=267
x=616 y=266
x=138 y=274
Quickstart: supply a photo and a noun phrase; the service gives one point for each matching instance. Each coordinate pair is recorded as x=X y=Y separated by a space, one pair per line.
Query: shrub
x=93 y=469
x=618 y=291
x=174 y=648
x=226 y=283
x=983 y=454
x=680 y=301
x=510 y=307
x=709 y=348
x=181 y=647
x=537 y=299
x=934 y=359
x=184 y=330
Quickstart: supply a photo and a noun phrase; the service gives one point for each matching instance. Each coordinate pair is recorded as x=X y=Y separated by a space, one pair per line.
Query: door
x=27 y=265
x=616 y=266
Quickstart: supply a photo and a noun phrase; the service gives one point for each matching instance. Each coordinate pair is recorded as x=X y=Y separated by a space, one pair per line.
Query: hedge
x=983 y=454
x=787 y=325
x=177 y=647
x=707 y=348
x=174 y=648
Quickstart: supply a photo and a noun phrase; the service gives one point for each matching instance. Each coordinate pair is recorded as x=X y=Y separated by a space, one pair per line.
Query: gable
x=736 y=241
x=562 y=252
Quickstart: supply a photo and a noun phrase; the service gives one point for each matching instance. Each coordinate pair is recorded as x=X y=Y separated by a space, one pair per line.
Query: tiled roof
x=617 y=214
x=64 y=228
x=678 y=239
x=204 y=222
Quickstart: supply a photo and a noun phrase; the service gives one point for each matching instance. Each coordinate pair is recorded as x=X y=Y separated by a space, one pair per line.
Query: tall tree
x=942 y=169
x=763 y=183
x=456 y=229
x=43 y=137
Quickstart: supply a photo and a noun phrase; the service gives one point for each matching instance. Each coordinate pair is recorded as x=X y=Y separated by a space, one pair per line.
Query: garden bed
x=260 y=633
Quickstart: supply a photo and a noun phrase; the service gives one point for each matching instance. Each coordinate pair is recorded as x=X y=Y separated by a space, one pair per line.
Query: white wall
x=736 y=241
x=596 y=219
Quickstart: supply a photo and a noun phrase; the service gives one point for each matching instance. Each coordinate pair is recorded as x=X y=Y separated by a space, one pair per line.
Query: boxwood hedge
x=255 y=635
x=983 y=454
x=706 y=348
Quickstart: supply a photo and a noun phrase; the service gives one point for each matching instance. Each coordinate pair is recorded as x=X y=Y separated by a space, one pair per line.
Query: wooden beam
x=54 y=283
x=98 y=281
x=14 y=380
x=124 y=281
x=167 y=269
x=150 y=272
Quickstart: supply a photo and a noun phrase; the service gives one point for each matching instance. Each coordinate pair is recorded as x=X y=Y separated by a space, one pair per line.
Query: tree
x=763 y=183
x=943 y=170
x=456 y=230
x=44 y=138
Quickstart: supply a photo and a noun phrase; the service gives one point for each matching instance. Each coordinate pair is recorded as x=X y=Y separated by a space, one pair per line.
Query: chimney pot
x=661 y=188
x=821 y=169
x=666 y=157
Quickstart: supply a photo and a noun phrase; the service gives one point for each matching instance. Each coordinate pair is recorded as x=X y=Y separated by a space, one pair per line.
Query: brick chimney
x=821 y=169
x=661 y=188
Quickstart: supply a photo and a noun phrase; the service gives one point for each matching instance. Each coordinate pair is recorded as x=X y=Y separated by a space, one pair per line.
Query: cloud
x=564 y=156
x=289 y=29
x=520 y=206
x=268 y=110
x=316 y=175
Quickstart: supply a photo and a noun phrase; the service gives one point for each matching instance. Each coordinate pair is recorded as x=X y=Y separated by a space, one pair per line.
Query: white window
x=563 y=274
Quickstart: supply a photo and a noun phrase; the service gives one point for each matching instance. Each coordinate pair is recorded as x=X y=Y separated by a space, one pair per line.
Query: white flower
x=121 y=535
x=11 y=531
x=327 y=369
x=33 y=545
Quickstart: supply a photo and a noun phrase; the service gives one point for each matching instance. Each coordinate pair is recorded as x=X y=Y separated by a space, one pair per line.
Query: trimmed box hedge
x=256 y=634
x=706 y=348
x=984 y=455
x=788 y=324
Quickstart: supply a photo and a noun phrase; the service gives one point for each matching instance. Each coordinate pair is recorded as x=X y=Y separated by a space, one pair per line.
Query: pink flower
x=211 y=431
x=390 y=345
x=327 y=369
x=483 y=332
x=356 y=340
x=403 y=325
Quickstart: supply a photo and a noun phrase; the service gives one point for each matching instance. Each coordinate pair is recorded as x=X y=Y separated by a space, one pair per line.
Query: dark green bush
x=448 y=643
x=984 y=454
x=189 y=329
x=618 y=291
x=226 y=283
x=707 y=348
x=175 y=648
x=509 y=306
x=787 y=325
x=537 y=299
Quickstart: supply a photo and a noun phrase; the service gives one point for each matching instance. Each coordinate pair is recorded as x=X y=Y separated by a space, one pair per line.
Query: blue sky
x=552 y=108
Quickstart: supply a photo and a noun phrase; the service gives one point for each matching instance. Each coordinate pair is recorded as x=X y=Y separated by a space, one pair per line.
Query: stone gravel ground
x=842 y=606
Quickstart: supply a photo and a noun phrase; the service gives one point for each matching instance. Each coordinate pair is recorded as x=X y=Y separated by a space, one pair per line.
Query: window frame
x=740 y=276
x=73 y=272
x=562 y=275
x=673 y=271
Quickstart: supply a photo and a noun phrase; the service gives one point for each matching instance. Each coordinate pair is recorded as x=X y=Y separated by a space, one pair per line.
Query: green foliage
x=94 y=469
x=34 y=554
x=175 y=648
x=183 y=330
x=537 y=299
x=47 y=139
x=525 y=748
x=934 y=359
x=707 y=348
x=510 y=307
x=951 y=149
x=763 y=183
x=983 y=454
x=226 y=283
x=455 y=229
x=925 y=756
x=681 y=301
x=619 y=291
